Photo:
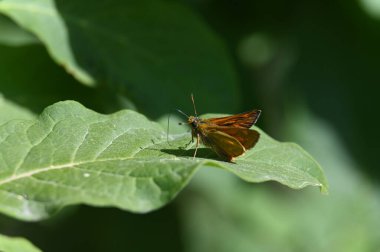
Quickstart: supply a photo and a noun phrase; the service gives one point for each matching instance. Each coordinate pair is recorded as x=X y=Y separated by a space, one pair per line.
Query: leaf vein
x=69 y=166
x=22 y=160
x=74 y=155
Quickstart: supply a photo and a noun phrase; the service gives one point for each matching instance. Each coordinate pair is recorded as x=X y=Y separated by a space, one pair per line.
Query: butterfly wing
x=223 y=144
x=244 y=120
x=247 y=137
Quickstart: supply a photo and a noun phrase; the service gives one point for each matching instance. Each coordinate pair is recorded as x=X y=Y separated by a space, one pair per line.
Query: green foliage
x=72 y=155
x=140 y=48
x=8 y=244
x=42 y=18
x=148 y=56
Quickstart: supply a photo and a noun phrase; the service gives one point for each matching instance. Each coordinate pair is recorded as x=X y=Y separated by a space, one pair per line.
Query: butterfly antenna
x=195 y=110
x=183 y=113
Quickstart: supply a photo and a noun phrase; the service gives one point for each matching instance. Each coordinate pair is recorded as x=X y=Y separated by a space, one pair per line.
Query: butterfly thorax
x=195 y=123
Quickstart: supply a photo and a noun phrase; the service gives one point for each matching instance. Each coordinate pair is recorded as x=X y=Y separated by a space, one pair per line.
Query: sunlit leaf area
x=96 y=152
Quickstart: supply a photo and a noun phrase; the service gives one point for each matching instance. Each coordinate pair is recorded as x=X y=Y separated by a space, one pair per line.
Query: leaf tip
x=324 y=189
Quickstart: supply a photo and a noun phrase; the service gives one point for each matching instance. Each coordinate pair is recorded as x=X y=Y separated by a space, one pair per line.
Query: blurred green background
x=312 y=67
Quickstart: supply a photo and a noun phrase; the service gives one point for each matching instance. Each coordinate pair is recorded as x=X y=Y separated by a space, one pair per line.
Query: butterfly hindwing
x=223 y=144
x=247 y=137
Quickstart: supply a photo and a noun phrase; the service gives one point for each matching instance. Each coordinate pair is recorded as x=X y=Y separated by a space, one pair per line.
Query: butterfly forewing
x=244 y=120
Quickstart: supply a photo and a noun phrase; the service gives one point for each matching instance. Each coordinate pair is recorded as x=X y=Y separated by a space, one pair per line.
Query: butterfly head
x=193 y=121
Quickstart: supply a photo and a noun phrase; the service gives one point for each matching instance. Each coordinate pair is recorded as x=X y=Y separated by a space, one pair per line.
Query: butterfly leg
x=187 y=144
x=196 y=147
x=191 y=141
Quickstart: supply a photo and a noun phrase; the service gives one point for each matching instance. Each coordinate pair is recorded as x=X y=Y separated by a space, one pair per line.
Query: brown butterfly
x=228 y=136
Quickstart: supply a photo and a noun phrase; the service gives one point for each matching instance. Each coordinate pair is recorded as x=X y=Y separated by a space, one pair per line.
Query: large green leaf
x=10 y=244
x=73 y=155
x=143 y=48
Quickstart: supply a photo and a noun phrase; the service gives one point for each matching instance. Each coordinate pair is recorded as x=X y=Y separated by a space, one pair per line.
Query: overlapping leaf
x=140 y=48
x=73 y=155
x=10 y=110
x=12 y=35
x=42 y=18
x=11 y=244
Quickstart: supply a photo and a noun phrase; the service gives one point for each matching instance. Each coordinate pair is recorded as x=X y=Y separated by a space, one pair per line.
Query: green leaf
x=13 y=35
x=11 y=244
x=73 y=155
x=42 y=19
x=141 y=48
x=286 y=163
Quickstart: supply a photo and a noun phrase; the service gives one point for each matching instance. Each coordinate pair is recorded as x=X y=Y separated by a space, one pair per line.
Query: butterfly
x=228 y=136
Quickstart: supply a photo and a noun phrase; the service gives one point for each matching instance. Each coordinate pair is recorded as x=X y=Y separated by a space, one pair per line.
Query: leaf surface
x=72 y=155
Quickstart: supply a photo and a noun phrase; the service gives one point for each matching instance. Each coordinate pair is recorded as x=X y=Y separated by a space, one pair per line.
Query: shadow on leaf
x=201 y=153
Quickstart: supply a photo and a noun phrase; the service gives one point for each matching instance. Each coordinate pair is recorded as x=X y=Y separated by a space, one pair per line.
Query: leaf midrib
x=71 y=165
x=74 y=164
